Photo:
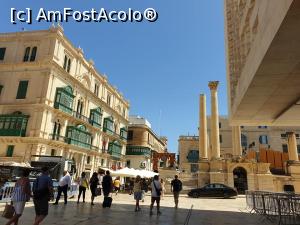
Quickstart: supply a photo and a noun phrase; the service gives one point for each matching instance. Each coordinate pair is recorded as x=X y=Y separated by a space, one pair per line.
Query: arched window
x=65 y=62
x=26 y=55
x=33 y=54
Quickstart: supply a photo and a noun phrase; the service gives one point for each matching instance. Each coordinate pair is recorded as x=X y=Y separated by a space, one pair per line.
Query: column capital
x=290 y=133
x=213 y=85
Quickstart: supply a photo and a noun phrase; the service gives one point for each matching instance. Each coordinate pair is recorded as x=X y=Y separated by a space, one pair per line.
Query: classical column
x=236 y=141
x=215 y=135
x=202 y=127
x=292 y=146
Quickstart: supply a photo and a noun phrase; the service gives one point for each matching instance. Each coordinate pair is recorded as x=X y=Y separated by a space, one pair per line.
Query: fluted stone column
x=202 y=127
x=292 y=146
x=215 y=142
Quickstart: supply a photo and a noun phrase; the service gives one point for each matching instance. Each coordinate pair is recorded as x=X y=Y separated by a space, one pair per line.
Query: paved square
x=205 y=212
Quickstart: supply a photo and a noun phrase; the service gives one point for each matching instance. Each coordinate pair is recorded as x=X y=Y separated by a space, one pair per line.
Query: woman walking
x=83 y=185
x=94 y=181
x=20 y=196
x=137 y=190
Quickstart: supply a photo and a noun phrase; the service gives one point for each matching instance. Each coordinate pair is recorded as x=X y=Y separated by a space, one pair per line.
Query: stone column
x=236 y=141
x=215 y=142
x=202 y=128
x=292 y=146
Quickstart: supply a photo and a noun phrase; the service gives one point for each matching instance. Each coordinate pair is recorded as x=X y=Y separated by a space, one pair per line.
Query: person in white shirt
x=155 y=194
x=64 y=184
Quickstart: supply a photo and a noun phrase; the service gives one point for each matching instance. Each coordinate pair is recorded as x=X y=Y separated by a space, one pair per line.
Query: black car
x=213 y=190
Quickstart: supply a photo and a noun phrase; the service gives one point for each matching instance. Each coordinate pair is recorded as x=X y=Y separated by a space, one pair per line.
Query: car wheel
x=195 y=195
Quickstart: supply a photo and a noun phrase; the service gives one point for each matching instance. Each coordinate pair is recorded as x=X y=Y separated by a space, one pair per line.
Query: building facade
x=54 y=102
x=253 y=138
x=142 y=144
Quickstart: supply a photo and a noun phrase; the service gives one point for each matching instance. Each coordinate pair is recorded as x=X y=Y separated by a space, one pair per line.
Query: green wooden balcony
x=64 y=99
x=123 y=133
x=138 y=150
x=115 y=150
x=77 y=135
x=13 y=124
x=108 y=125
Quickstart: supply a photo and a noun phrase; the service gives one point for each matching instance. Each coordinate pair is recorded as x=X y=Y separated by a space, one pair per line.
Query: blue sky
x=161 y=67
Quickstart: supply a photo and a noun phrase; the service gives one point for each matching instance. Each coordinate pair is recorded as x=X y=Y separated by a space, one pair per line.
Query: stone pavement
x=205 y=212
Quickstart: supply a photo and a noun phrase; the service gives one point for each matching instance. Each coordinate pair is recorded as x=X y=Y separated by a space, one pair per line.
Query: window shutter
x=33 y=54
x=22 y=89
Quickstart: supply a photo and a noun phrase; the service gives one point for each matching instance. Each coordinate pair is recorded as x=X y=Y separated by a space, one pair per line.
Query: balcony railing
x=67 y=140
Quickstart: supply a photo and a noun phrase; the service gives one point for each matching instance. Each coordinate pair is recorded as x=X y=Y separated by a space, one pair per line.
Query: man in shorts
x=42 y=192
x=155 y=194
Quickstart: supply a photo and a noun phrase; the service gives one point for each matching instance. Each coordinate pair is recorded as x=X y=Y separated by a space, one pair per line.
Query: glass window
x=285 y=148
x=130 y=135
x=220 y=125
x=10 y=150
x=69 y=65
x=244 y=141
x=33 y=54
x=22 y=89
x=26 y=54
x=108 y=99
x=220 y=138
x=2 y=53
x=263 y=139
x=65 y=62
x=283 y=135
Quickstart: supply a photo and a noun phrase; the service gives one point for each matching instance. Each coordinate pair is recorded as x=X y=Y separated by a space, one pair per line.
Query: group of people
x=157 y=190
x=42 y=191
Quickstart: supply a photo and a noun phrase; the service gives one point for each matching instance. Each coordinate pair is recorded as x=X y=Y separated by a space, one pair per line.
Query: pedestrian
x=94 y=181
x=20 y=196
x=100 y=178
x=144 y=186
x=131 y=184
x=137 y=192
x=176 y=187
x=155 y=194
x=63 y=185
x=163 y=188
x=117 y=184
x=42 y=193
x=83 y=185
x=107 y=184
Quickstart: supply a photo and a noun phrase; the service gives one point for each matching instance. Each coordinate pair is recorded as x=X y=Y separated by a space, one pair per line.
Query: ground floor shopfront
x=89 y=160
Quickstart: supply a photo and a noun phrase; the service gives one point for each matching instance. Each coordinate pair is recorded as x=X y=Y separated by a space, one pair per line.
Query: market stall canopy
x=15 y=164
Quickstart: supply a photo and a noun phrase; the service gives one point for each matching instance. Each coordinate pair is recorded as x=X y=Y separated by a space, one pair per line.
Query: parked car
x=213 y=190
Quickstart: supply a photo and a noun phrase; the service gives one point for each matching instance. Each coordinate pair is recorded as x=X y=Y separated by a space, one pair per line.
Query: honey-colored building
x=142 y=144
x=54 y=102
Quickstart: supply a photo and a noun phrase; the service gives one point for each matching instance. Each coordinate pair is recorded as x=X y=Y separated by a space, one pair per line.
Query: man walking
x=42 y=192
x=107 y=184
x=176 y=187
x=155 y=194
x=64 y=184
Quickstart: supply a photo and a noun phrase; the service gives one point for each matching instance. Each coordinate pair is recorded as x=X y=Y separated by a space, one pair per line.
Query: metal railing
x=278 y=208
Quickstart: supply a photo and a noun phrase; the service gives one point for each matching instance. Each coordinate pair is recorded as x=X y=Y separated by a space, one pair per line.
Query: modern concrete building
x=142 y=144
x=263 y=56
x=263 y=69
x=54 y=102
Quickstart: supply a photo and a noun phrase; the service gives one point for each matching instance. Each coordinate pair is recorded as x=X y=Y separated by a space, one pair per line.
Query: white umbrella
x=146 y=173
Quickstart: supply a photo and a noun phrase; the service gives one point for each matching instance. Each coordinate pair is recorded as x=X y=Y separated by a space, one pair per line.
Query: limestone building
x=54 y=102
x=252 y=139
x=142 y=144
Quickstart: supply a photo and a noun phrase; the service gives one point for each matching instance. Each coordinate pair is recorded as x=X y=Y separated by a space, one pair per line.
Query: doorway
x=240 y=180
